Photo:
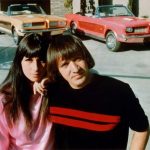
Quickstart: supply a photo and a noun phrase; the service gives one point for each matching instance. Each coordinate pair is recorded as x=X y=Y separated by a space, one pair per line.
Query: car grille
x=38 y=24
x=53 y=24
x=141 y=30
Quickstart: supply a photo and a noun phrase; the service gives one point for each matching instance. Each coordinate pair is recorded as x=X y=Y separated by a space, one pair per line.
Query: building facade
x=140 y=7
x=144 y=6
x=44 y=4
x=56 y=7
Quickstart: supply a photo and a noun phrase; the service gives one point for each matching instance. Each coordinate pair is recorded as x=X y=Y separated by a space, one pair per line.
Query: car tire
x=112 y=43
x=147 y=42
x=73 y=28
x=16 y=37
x=2 y=32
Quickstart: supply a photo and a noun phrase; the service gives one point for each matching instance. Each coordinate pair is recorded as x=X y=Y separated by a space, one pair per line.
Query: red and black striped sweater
x=97 y=116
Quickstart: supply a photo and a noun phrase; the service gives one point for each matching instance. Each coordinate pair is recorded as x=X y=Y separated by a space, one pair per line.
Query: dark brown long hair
x=68 y=47
x=16 y=87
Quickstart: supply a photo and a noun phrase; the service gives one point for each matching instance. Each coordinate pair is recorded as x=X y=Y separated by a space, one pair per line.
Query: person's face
x=75 y=71
x=33 y=68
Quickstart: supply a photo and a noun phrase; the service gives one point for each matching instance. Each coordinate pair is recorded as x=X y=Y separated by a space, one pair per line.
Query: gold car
x=21 y=19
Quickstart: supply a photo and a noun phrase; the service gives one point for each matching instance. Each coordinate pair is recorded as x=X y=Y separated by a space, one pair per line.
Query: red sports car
x=114 y=24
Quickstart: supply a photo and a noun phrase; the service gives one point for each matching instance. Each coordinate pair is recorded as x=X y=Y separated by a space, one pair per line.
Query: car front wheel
x=73 y=28
x=16 y=37
x=112 y=43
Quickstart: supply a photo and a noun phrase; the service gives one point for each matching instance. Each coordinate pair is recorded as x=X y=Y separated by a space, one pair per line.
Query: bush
x=68 y=3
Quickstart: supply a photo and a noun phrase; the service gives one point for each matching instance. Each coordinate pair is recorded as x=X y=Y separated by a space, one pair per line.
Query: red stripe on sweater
x=81 y=124
x=84 y=115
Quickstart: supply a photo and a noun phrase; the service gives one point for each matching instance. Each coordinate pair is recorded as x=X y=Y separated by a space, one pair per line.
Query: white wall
x=76 y=6
x=144 y=6
x=124 y=2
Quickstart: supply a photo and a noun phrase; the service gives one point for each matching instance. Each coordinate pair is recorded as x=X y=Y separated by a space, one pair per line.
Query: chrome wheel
x=73 y=28
x=16 y=37
x=112 y=43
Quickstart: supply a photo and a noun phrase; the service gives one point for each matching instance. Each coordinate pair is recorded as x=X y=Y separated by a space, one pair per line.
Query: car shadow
x=125 y=47
x=135 y=47
x=79 y=34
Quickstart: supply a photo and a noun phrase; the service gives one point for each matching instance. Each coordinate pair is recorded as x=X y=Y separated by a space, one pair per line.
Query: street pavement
x=131 y=66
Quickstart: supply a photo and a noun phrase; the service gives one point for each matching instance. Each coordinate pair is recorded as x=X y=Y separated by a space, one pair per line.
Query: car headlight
x=62 y=23
x=53 y=23
x=129 y=29
x=27 y=25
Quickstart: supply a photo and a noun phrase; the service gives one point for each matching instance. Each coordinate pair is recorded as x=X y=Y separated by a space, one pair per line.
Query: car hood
x=37 y=17
x=128 y=21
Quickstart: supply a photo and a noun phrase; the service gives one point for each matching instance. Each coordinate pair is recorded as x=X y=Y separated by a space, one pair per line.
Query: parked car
x=21 y=19
x=114 y=24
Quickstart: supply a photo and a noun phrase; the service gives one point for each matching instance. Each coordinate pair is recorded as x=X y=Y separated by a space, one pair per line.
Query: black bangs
x=36 y=52
x=67 y=47
x=33 y=46
x=71 y=51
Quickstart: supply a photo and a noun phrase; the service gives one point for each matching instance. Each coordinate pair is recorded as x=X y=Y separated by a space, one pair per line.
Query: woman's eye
x=28 y=59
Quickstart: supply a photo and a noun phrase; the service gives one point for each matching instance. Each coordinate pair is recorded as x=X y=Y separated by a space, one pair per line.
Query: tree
x=130 y=4
x=133 y=5
x=68 y=3
x=83 y=6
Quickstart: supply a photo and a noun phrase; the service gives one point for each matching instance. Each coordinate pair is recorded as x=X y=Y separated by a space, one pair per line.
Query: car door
x=91 y=25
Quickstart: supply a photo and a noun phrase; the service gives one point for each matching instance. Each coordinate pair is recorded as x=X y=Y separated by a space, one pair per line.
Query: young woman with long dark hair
x=23 y=115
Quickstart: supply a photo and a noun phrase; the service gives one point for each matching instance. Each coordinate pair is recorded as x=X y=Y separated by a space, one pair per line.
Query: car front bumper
x=52 y=31
x=136 y=38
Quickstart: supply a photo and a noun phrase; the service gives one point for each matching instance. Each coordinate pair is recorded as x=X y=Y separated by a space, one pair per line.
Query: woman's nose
x=35 y=66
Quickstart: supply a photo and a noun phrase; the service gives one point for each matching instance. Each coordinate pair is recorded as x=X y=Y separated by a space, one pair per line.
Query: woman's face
x=33 y=68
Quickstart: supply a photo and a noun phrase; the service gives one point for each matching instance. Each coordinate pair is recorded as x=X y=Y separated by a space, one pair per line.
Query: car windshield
x=111 y=11
x=26 y=9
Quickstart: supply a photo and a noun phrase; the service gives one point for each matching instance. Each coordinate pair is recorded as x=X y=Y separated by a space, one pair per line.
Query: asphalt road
x=131 y=65
x=7 y=51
